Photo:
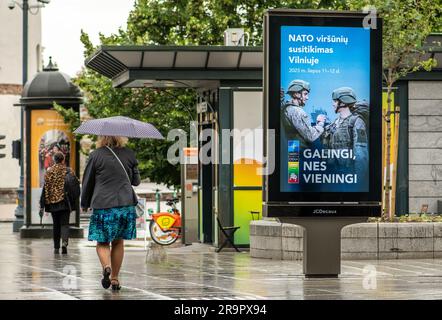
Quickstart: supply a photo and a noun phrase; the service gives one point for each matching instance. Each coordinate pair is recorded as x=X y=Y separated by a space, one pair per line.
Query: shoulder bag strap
x=122 y=166
x=139 y=210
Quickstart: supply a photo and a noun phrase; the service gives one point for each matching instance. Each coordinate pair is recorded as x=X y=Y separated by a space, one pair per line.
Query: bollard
x=155 y=253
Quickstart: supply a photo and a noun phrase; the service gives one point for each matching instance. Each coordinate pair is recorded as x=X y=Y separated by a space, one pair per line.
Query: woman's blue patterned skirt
x=111 y=224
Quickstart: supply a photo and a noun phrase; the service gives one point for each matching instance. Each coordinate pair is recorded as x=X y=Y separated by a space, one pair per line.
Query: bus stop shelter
x=229 y=80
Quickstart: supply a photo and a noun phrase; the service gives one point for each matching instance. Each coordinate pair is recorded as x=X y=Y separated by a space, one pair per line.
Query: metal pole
x=158 y=199
x=19 y=212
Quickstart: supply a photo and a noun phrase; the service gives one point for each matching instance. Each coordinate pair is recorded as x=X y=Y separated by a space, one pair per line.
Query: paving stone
x=360 y=230
x=415 y=255
x=267 y=228
x=292 y=255
x=30 y=271
x=428 y=91
x=359 y=255
x=415 y=244
x=437 y=227
x=387 y=255
x=292 y=244
x=292 y=230
x=252 y=228
x=388 y=230
x=360 y=245
x=437 y=244
x=266 y=242
x=388 y=245
x=266 y=254
x=415 y=230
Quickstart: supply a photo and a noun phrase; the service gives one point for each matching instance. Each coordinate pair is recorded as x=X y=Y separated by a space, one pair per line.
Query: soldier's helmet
x=298 y=86
x=344 y=94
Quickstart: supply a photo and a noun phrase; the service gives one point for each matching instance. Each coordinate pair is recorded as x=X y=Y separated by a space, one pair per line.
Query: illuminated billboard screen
x=323 y=105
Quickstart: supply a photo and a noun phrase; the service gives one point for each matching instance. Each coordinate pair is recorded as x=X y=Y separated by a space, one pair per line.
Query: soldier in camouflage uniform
x=348 y=131
x=295 y=120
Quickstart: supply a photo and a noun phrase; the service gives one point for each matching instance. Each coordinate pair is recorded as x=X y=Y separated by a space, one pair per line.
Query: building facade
x=11 y=47
x=425 y=145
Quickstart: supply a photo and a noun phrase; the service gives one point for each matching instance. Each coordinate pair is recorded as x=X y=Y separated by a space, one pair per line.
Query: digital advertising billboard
x=323 y=90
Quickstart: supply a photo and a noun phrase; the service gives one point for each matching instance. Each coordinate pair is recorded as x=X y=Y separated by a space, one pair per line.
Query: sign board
x=201 y=107
x=189 y=187
x=49 y=134
x=189 y=156
x=323 y=96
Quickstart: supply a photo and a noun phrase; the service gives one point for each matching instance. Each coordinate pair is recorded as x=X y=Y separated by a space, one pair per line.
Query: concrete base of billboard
x=275 y=240
x=46 y=232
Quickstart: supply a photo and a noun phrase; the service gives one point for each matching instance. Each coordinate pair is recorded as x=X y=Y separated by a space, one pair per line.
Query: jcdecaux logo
x=324 y=211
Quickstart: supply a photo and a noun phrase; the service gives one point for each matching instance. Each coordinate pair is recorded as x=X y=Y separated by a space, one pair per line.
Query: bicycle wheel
x=161 y=237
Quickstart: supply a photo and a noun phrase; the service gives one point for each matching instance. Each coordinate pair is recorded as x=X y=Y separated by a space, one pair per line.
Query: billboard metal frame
x=315 y=204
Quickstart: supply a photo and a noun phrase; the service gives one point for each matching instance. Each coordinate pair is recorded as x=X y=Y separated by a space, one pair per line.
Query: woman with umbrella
x=111 y=171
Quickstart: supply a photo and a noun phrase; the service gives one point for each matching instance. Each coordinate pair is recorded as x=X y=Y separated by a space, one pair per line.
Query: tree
x=202 y=22
x=171 y=22
x=153 y=106
x=406 y=26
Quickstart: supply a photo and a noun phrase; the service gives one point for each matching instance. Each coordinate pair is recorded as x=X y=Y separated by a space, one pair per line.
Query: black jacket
x=69 y=201
x=105 y=185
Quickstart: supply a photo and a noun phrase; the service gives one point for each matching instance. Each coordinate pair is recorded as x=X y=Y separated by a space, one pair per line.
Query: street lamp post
x=19 y=216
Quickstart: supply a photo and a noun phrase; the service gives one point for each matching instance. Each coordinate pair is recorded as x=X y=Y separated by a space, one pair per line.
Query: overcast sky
x=62 y=21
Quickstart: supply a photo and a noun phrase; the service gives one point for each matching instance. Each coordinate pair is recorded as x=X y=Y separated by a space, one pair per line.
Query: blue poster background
x=346 y=65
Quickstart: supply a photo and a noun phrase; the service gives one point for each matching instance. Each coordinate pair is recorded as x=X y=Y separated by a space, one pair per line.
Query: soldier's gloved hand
x=320 y=119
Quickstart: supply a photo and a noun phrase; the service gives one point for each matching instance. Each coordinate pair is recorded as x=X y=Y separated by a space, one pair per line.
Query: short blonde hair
x=111 y=141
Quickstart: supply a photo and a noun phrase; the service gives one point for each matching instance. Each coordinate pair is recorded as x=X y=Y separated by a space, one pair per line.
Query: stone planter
x=274 y=240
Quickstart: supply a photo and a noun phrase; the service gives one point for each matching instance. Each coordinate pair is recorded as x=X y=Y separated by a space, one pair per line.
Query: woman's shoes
x=106 y=282
x=115 y=285
x=64 y=249
x=56 y=251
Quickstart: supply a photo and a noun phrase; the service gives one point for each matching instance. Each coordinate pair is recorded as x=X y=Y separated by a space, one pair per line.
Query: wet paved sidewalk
x=31 y=271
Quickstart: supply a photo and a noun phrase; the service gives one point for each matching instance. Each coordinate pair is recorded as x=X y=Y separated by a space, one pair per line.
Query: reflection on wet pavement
x=30 y=270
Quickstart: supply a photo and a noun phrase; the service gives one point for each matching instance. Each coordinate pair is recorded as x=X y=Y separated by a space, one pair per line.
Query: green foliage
x=165 y=110
x=412 y=217
x=407 y=24
x=70 y=117
x=202 y=22
x=155 y=107
x=167 y=22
